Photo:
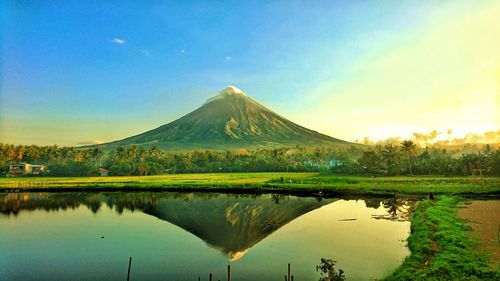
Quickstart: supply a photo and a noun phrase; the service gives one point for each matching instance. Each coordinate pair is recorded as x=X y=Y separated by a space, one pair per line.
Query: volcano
x=230 y=120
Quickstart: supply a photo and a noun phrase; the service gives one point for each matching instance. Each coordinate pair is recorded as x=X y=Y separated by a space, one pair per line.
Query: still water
x=183 y=236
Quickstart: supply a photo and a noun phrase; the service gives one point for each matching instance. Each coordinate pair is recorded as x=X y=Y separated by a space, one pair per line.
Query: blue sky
x=80 y=71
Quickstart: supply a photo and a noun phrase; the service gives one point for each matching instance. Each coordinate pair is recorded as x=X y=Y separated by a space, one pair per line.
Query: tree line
x=409 y=159
x=405 y=158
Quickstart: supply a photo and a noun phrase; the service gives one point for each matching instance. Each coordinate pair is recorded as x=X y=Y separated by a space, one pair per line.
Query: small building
x=324 y=164
x=38 y=169
x=103 y=172
x=24 y=169
x=19 y=169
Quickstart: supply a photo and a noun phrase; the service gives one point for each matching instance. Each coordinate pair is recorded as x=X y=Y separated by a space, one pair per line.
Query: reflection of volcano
x=228 y=222
x=232 y=224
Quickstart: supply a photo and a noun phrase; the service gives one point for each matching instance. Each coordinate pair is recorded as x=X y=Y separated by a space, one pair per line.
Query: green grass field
x=440 y=247
x=263 y=182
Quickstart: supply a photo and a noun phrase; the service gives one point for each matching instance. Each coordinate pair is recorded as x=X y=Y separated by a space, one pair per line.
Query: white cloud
x=89 y=142
x=228 y=58
x=182 y=51
x=118 y=41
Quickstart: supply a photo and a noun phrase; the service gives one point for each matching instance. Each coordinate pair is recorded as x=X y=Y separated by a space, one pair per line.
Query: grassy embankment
x=440 y=247
x=266 y=182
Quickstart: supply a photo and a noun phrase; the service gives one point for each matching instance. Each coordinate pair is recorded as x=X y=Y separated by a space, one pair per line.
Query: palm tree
x=154 y=152
x=132 y=153
x=141 y=154
x=409 y=148
x=121 y=153
x=95 y=155
x=390 y=153
x=11 y=154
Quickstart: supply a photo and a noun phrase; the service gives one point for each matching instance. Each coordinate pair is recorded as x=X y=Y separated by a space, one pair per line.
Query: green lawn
x=284 y=182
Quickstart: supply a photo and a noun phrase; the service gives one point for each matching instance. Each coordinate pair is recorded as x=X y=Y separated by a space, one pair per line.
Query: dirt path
x=484 y=216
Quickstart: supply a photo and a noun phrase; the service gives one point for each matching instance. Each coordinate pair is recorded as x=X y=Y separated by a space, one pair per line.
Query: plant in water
x=328 y=272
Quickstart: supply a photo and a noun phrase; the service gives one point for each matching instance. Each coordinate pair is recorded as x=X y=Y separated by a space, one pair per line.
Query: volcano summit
x=230 y=120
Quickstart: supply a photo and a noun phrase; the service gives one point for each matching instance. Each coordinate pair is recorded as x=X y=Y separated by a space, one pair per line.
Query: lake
x=183 y=236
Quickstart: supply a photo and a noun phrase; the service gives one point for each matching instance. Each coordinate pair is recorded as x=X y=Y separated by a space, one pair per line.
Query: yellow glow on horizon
x=447 y=76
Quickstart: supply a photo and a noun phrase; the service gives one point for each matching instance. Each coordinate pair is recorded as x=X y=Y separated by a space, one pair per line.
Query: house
x=19 y=169
x=24 y=169
x=103 y=172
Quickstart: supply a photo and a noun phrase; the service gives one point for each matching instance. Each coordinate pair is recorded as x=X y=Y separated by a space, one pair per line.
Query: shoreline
x=242 y=189
x=441 y=246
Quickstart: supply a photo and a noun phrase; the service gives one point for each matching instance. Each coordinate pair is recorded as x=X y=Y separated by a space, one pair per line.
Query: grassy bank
x=440 y=247
x=410 y=185
x=265 y=182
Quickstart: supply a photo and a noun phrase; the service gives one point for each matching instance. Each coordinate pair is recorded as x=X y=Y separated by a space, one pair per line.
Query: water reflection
x=67 y=233
x=398 y=209
x=231 y=223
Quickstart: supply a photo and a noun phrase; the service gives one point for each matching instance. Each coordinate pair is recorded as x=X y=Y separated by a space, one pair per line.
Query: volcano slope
x=230 y=120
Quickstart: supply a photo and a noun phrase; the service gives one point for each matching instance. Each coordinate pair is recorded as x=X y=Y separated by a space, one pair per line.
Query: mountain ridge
x=230 y=120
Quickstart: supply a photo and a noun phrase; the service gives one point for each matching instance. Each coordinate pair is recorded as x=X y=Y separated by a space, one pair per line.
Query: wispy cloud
x=182 y=51
x=440 y=138
x=118 y=41
x=89 y=142
x=228 y=58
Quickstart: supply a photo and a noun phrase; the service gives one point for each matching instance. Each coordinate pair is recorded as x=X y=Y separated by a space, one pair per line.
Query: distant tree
x=141 y=154
x=120 y=168
x=494 y=163
x=390 y=153
x=370 y=161
x=120 y=153
x=154 y=152
x=409 y=148
x=96 y=155
x=132 y=153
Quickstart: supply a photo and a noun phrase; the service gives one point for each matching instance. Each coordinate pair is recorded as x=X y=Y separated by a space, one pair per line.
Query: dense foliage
x=390 y=159
x=409 y=159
